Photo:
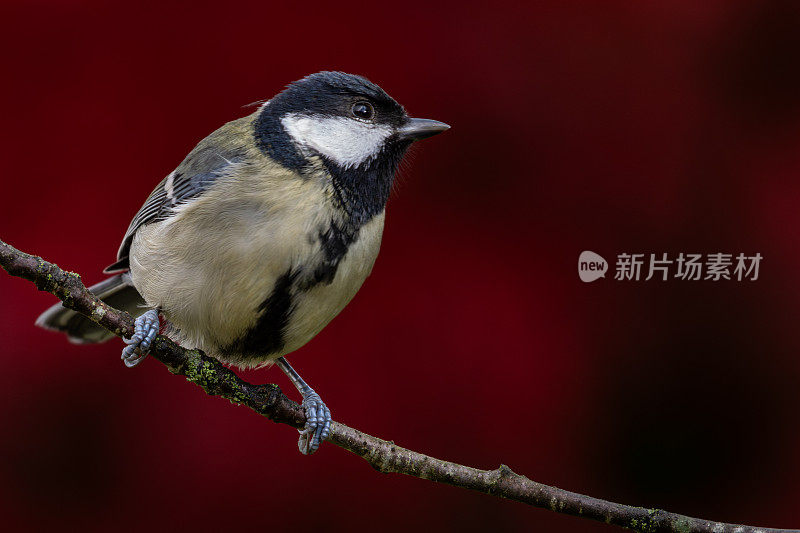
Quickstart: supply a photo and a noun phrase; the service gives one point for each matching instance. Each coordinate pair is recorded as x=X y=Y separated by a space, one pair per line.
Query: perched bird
x=263 y=233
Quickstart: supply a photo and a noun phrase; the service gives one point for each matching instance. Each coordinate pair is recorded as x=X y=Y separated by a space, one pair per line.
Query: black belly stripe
x=266 y=336
x=334 y=242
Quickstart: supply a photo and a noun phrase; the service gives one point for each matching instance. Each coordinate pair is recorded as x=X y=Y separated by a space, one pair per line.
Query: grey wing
x=193 y=176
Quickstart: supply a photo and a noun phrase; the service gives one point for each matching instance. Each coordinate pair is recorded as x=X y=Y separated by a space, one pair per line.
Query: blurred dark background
x=607 y=126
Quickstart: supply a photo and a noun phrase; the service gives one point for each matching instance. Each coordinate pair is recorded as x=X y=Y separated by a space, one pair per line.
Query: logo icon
x=591 y=266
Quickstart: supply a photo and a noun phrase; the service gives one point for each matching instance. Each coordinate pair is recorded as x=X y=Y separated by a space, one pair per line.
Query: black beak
x=416 y=129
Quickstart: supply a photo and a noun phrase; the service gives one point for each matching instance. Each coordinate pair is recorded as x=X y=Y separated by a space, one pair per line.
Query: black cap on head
x=333 y=93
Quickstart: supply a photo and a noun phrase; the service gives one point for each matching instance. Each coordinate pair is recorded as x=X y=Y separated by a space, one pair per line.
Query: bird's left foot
x=145 y=330
x=318 y=423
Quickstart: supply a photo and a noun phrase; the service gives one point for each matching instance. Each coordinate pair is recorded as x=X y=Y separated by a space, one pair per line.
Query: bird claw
x=318 y=424
x=145 y=330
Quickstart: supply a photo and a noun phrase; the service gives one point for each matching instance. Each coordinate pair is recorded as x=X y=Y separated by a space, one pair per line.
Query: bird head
x=359 y=132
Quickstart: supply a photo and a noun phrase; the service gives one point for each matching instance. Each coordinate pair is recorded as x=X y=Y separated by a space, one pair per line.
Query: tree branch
x=268 y=400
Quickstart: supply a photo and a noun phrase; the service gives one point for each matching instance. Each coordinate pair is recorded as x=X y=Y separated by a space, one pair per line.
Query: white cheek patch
x=347 y=141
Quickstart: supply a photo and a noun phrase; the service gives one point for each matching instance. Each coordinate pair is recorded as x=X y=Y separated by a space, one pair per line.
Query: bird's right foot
x=145 y=330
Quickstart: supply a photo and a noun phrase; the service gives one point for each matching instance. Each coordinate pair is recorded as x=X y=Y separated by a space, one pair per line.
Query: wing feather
x=194 y=175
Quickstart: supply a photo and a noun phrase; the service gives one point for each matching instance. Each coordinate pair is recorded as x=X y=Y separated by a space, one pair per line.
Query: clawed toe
x=318 y=424
x=318 y=416
x=145 y=330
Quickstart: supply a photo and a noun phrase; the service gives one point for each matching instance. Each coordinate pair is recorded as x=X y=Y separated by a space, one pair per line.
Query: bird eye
x=363 y=110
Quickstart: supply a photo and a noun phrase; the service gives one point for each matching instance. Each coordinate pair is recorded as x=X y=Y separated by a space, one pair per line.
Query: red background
x=609 y=126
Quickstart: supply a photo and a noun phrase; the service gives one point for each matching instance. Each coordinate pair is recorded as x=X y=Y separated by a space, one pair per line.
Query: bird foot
x=318 y=423
x=145 y=330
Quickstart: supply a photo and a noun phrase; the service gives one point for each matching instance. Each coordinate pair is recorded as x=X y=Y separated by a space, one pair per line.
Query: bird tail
x=117 y=291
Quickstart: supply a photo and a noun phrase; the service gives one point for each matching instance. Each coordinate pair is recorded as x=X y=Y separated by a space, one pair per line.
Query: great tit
x=263 y=233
